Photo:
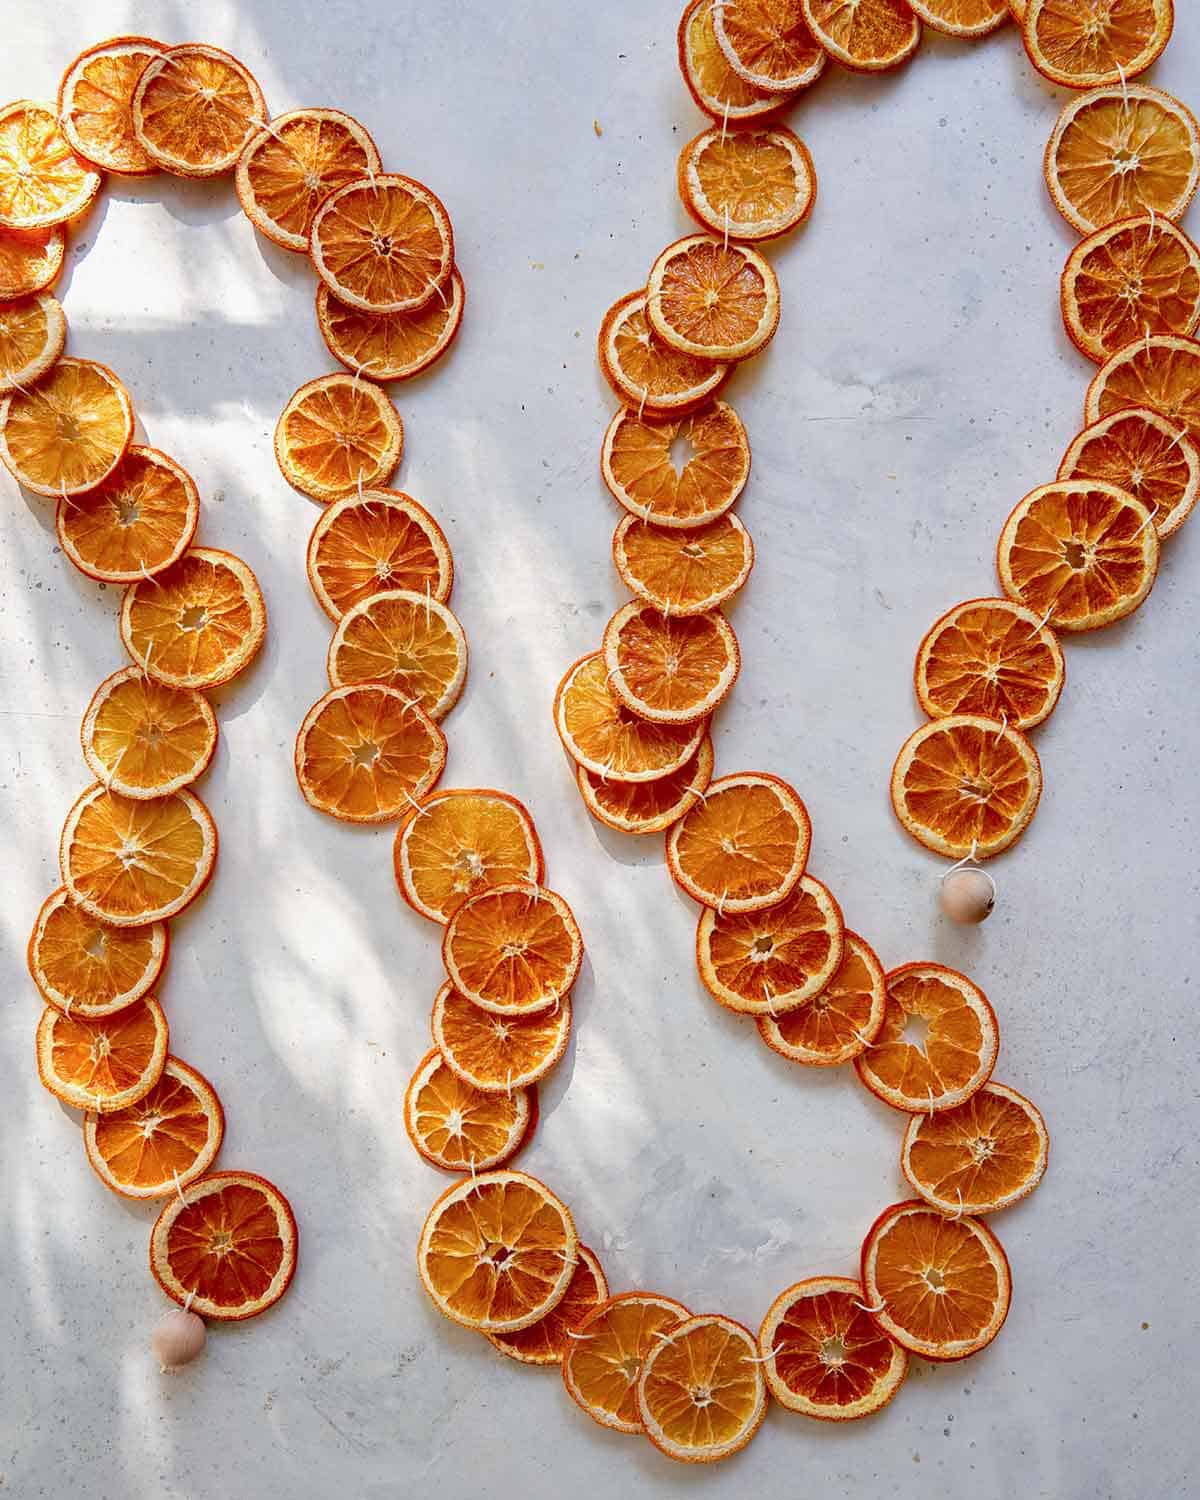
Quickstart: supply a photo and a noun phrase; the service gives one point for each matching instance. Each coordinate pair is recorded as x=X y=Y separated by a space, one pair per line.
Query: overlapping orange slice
x=547 y=1341
x=979 y=1157
x=102 y=1063
x=513 y=949
x=753 y=184
x=768 y=43
x=33 y=331
x=95 y=103
x=1145 y=455
x=194 y=109
x=144 y=739
x=1082 y=45
x=713 y=299
x=198 y=623
x=493 y=1053
x=608 y=739
x=391 y=346
x=842 y=1020
x=87 y=968
x=962 y=18
x=701 y=1394
x=367 y=544
x=1136 y=277
x=646 y=372
x=140 y=520
x=458 y=1127
x=383 y=244
x=670 y=669
x=407 y=640
x=683 y=572
x=456 y=843
x=647 y=806
x=869 y=36
x=711 y=80
x=638 y=464
x=744 y=846
x=159 y=1144
x=30 y=262
x=42 y=181
x=991 y=658
x=69 y=432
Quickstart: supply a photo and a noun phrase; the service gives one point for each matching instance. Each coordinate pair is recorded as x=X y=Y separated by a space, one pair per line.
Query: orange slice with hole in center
x=497 y=1252
x=370 y=543
x=33 y=333
x=391 y=346
x=991 y=658
x=159 y=1144
x=670 y=669
x=683 y=572
x=1142 y=453
x=140 y=520
x=646 y=372
x=604 y=737
x=459 y=842
x=938 y=1042
x=942 y=1286
x=604 y=1359
x=1082 y=45
x=980 y=1157
x=30 y=263
x=86 y=968
x=546 y=1341
x=144 y=739
x=711 y=80
x=95 y=104
x=869 y=36
x=42 y=181
x=701 y=1394
x=69 y=432
x=824 y=1356
x=744 y=847
x=336 y=435
x=753 y=184
x=408 y=641
x=102 y=1063
x=458 y=1127
x=496 y=1054
x=712 y=299
x=1161 y=371
x=647 y=806
x=961 y=18
x=513 y=949
x=841 y=1021
x=639 y=466
x=226 y=1246
x=365 y=753
x=194 y=109
x=768 y=44
x=383 y=244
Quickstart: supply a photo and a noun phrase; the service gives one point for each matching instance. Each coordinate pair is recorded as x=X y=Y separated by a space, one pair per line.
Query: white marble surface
x=920 y=384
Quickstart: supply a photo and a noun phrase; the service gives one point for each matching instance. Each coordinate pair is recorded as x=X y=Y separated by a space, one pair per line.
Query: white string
x=178 y=1187
x=862 y=1306
x=187 y=1301
x=1154 y=507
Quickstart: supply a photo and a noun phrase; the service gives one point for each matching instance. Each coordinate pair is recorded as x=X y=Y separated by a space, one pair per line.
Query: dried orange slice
x=140 y=520
x=336 y=435
x=1017 y=9
x=546 y=1341
x=647 y=806
x=85 y=967
x=1080 y=553
x=644 y=371
x=683 y=572
x=1161 y=371
x=365 y=753
x=965 y=18
x=30 y=263
x=103 y=1063
x=497 y=1252
x=167 y=1139
x=600 y=734
x=42 y=181
x=638 y=465
x=710 y=78
x=144 y=739
x=840 y=1022
x=670 y=669
x=391 y=346
x=713 y=300
x=225 y=1246
x=775 y=960
x=33 y=331
x=966 y=785
x=938 y=1042
x=132 y=862
x=824 y=1356
x=604 y=1358
x=744 y=847
x=1082 y=46
x=978 y=1158
x=991 y=658
x=458 y=1127
x=751 y=184
x=70 y=432
x=194 y=109
x=768 y=44
x=942 y=1285
x=95 y=102
x=459 y=842
x=198 y=623
x=367 y=544
x=513 y=949
x=1117 y=152
x=1144 y=455
x=409 y=641
x=869 y=36
x=287 y=170
x=701 y=1394
x=1131 y=278
x=496 y=1054
x=384 y=244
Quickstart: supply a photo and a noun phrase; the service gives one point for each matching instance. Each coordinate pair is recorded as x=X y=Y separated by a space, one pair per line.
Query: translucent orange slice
x=824 y=1356
x=712 y=299
x=752 y=184
x=33 y=331
x=198 y=623
x=607 y=739
x=938 y=1042
x=978 y=1158
x=30 y=263
x=131 y=862
x=639 y=467
x=670 y=669
x=336 y=435
x=644 y=371
x=69 y=432
x=991 y=658
x=964 y=18
x=701 y=1394
x=42 y=181
x=1146 y=456
x=225 y=1246
x=391 y=346
x=1118 y=152
x=775 y=960
x=194 y=109
x=768 y=43
x=496 y=1054
x=647 y=806
x=942 y=1285
x=601 y=1364
x=140 y=520
x=457 y=843
x=869 y=36
x=458 y=1127
x=144 y=739
x=87 y=968
x=744 y=847
x=374 y=542
x=1081 y=45
x=497 y=1252
x=95 y=103
x=167 y=1139
x=1079 y=553
x=513 y=949
x=102 y=1063
x=683 y=572
x=1161 y=372
x=384 y=244
x=287 y=170
x=711 y=80
x=546 y=1341
x=406 y=640
x=840 y=1022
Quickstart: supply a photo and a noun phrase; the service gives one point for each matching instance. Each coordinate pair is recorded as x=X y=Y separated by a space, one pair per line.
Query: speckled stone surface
x=920 y=384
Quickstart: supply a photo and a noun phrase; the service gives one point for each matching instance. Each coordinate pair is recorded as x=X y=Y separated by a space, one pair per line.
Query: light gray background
x=919 y=385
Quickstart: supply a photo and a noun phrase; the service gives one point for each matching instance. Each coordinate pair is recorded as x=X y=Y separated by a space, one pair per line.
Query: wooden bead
x=968 y=896
x=177 y=1339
